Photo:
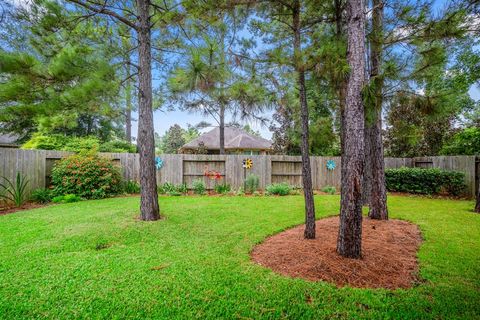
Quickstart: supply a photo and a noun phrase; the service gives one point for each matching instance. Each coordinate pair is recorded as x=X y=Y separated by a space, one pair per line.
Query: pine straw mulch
x=389 y=255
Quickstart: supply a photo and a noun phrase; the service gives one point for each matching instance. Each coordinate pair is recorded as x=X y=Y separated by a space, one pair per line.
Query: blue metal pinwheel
x=158 y=163
x=331 y=165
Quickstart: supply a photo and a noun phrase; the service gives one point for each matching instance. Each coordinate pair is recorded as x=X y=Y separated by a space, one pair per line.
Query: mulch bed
x=26 y=206
x=389 y=255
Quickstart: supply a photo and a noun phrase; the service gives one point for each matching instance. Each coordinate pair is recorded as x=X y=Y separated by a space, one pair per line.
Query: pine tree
x=350 y=232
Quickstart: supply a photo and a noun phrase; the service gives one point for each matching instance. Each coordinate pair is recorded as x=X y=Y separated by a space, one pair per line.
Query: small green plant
x=240 y=192
x=131 y=187
x=329 y=189
x=41 y=195
x=174 y=193
x=167 y=187
x=68 y=198
x=14 y=191
x=279 y=189
x=256 y=194
x=222 y=188
x=182 y=188
x=251 y=183
x=198 y=186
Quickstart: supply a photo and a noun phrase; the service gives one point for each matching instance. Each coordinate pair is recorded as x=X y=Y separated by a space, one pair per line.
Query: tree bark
x=128 y=108
x=477 y=204
x=222 y=129
x=149 y=209
x=375 y=165
x=309 y=232
x=349 y=242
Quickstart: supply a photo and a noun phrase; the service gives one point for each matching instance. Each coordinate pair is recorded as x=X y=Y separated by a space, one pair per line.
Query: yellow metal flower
x=247 y=163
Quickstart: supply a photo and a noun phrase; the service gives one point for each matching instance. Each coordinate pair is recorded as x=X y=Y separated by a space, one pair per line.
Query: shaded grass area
x=94 y=259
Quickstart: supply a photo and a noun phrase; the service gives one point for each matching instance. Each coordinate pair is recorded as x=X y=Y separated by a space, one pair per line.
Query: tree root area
x=389 y=255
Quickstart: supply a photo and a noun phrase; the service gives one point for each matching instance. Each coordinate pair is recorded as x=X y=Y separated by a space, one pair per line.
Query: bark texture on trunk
x=477 y=204
x=149 y=209
x=349 y=242
x=375 y=165
x=128 y=107
x=222 y=129
x=309 y=232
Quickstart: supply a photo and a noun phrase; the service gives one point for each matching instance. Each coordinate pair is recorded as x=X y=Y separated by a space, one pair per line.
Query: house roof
x=8 y=140
x=235 y=138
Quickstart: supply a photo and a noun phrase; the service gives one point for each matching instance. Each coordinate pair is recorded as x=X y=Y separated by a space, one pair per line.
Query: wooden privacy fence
x=185 y=168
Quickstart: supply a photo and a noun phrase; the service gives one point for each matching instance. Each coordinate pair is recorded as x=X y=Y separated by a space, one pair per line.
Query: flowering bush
x=86 y=175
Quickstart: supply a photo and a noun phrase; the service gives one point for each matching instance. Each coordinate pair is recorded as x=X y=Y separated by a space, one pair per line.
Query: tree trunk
x=149 y=209
x=340 y=82
x=349 y=242
x=377 y=199
x=128 y=108
x=306 y=168
x=477 y=204
x=222 y=129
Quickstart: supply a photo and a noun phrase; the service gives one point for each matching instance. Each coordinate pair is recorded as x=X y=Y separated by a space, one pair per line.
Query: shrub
x=198 y=186
x=329 y=189
x=222 y=188
x=251 y=183
x=425 y=181
x=118 y=146
x=280 y=189
x=68 y=198
x=88 y=176
x=240 y=192
x=81 y=144
x=131 y=187
x=41 y=195
x=167 y=187
x=182 y=188
x=14 y=191
x=45 y=142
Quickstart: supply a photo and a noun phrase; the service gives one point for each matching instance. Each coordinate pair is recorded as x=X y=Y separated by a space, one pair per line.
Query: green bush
x=425 y=181
x=81 y=144
x=198 y=186
x=280 y=189
x=222 y=188
x=88 y=176
x=131 y=187
x=251 y=183
x=119 y=146
x=329 y=189
x=41 y=195
x=167 y=187
x=68 y=198
x=45 y=142
x=182 y=188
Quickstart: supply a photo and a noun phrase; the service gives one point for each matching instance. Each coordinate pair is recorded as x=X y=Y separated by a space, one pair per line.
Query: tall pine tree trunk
x=309 y=232
x=349 y=242
x=477 y=204
x=222 y=129
x=149 y=209
x=377 y=194
x=128 y=106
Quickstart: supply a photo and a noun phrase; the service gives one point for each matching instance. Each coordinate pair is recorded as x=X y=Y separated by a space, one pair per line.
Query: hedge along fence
x=185 y=168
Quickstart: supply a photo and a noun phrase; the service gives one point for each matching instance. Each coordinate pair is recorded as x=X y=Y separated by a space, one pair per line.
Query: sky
x=163 y=119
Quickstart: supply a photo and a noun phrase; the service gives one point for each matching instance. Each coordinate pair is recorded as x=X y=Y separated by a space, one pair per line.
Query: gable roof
x=235 y=138
x=8 y=140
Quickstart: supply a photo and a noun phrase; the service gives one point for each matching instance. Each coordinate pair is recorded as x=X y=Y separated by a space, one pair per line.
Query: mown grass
x=94 y=259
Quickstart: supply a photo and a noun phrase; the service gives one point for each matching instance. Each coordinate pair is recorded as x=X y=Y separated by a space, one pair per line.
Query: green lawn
x=94 y=259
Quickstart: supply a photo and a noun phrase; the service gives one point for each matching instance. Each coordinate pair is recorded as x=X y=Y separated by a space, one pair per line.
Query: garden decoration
x=158 y=163
x=212 y=175
x=331 y=165
x=246 y=164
